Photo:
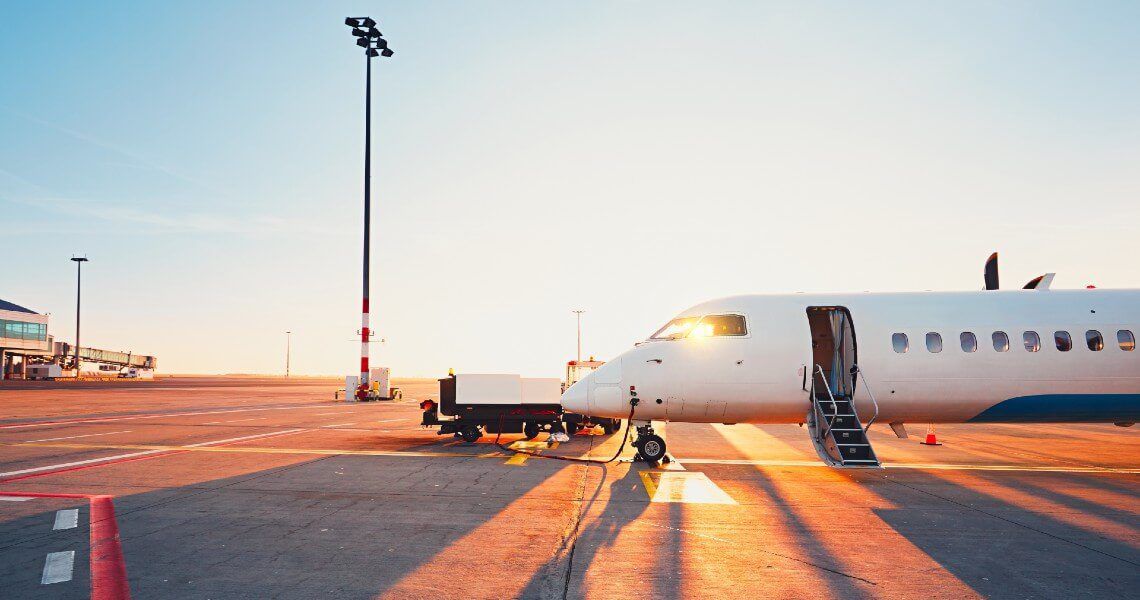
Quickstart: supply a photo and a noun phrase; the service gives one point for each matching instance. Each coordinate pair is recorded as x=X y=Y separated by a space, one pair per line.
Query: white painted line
x=72 y=437
x=81 y=462
x=14 y=498
x=339 y=412
x=158 y=416
x=57 y=567
x=391 y=420
x=238 y=439
x=244 y=420
x=339 y=425
x=66 y=519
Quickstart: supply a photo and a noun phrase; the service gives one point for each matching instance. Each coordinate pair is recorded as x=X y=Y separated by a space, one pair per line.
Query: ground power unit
x=473 y=404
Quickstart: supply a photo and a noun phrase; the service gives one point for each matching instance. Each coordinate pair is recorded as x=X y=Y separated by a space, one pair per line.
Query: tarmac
x=268 y=488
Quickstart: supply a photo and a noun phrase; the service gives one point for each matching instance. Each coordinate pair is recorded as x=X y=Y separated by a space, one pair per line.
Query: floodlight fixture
x=387 y=52
x=368 y=22
x=363 y=43
x=374 y=33
x=351 y=21
x=359 y=32
x=372 y=52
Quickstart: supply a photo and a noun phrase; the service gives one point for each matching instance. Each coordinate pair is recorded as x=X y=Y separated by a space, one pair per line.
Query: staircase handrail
x=830 y=395
x=874 y=402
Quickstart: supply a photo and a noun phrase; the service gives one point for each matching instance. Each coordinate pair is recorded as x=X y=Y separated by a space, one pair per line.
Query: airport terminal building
x=23 y=334
x=28 y=352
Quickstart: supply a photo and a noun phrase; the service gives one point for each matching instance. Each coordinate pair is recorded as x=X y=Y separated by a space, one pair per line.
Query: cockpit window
x=706 y=326
x=677 y=328
x=720 y=325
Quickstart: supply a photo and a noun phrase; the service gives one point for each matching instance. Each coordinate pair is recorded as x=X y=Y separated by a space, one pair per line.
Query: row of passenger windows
x=19 y=330
x=1032 y=342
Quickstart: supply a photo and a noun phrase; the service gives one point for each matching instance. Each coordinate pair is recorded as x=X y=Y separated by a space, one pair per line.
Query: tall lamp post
x=78 y=260
x=579 y=315
x=288 y=345
x=369 y=38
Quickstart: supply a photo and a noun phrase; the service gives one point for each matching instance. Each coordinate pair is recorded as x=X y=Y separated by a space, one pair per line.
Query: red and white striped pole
x=367 y=220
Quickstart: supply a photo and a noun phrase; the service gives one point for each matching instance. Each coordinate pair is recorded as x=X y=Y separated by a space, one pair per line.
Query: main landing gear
x=650 y=446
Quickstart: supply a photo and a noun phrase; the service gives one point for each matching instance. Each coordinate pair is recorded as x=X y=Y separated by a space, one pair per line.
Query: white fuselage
x=763 y=375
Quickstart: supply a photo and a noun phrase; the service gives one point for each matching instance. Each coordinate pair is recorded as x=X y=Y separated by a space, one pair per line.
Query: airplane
x=841 y=362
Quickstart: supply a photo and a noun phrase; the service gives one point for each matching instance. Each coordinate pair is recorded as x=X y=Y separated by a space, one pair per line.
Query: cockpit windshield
x=675 y=329
x=706 y=326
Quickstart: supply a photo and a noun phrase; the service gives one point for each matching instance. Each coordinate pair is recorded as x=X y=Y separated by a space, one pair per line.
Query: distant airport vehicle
x=475 y=403
x=576 y=370
x=840 y=362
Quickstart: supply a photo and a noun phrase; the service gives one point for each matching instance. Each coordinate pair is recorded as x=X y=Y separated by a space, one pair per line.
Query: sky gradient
x=627 y=158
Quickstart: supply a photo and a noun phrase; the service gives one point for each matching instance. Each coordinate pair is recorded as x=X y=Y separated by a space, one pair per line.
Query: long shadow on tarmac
x=1004 y=550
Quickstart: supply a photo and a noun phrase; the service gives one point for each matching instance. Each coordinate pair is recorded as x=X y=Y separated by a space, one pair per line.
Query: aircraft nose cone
x=575 y=398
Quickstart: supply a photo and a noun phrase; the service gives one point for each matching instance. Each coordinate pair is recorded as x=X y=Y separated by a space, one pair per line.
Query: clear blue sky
x=629 y=158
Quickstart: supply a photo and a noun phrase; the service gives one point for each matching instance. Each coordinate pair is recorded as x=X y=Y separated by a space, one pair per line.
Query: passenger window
x=900 y=343
x=719 y=326
x=934 y=342
x=1126 y=340
x=969 y=342
x=1094 y=340
x=1064 y=340
x=1032 y=341
x=1001 y=341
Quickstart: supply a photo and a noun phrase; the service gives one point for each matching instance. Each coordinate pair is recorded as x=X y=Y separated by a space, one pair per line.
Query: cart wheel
x=470 y=433
x=531 y=430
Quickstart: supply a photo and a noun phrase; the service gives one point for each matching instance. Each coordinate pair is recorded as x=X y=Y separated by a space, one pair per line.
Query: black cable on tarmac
x=625 y=438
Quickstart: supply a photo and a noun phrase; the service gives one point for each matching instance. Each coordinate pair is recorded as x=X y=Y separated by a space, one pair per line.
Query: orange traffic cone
x=931 y=438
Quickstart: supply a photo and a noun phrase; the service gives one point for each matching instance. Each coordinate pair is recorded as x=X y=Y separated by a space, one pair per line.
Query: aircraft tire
x=652 y=448
x=530 y=430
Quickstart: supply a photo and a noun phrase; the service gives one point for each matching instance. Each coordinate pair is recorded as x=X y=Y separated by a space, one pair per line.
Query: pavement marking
x=72 y=437
x=918 y=466
x=518 y=460
x=243 y=420
x=148 y=451
x=66 y=519
x=337 y=425
x=58 y=567
x=242 y=438
x=390 y=420
x=154 y=416
x=686 y=487
x=78 y=462
x=14 y=498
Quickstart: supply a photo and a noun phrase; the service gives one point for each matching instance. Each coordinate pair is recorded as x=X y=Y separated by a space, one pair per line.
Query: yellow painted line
x=684 y=487
x=496 y=454
x=518 y=460
x=917 y=466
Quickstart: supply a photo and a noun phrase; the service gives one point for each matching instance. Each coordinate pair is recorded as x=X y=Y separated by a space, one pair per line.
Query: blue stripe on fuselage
x=1064 y=408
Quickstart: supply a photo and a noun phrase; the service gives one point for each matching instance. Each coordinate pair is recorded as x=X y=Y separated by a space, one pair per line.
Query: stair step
x=850 y=452
x=848 y=436
x=844 y=422
x=861 y=462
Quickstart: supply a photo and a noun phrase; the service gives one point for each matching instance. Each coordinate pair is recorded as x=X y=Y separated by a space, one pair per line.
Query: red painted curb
x=108 y=570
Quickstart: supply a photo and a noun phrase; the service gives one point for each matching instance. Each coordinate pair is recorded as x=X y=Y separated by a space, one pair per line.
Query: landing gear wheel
x=530 y=430
x=572 y=428
x=470 y=433
x=611 y=427
x=651 y=447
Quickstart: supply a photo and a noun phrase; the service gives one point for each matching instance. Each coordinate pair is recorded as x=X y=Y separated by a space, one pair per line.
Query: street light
x=78 y=260
x=369 y=38
x=579 y=314
x=288 y=344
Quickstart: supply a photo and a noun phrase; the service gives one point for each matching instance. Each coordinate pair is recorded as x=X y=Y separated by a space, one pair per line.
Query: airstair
x=839 y=436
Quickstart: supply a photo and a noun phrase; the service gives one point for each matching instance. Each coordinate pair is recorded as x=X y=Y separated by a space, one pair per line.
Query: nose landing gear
x=650 y=446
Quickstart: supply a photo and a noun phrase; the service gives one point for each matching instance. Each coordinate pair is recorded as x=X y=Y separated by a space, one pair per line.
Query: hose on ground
x=624 y=439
